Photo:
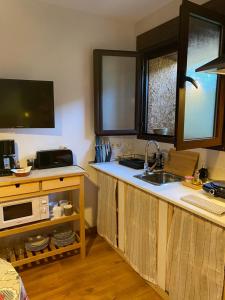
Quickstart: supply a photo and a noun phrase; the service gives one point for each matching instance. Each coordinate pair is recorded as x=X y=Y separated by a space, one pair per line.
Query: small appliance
x=23 y=211
x=7 y=157
x=215 y=188
x=54 y=158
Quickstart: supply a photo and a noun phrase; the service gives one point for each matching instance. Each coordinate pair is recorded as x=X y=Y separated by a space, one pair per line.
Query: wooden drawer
x=19 y=188
x=60 y=183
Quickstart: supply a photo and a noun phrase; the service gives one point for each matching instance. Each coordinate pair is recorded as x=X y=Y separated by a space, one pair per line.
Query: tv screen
x=26 y=104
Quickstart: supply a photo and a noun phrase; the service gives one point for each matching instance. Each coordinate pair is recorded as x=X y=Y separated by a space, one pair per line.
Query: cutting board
x=181 y=163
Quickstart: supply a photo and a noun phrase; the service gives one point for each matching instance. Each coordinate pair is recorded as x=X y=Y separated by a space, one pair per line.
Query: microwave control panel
x=44 y=207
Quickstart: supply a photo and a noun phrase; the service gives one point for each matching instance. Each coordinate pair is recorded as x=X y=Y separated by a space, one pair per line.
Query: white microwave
x=24 y=211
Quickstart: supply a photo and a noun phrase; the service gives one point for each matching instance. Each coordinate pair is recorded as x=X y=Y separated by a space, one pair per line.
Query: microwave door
x=19 y=212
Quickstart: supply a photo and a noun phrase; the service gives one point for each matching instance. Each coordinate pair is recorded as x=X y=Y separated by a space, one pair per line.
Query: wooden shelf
x=45 y=183
x=38 y=225
x=29 y=257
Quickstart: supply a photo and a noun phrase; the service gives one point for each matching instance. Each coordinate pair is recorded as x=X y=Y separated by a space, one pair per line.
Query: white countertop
x=170 y=192
x=43 y=173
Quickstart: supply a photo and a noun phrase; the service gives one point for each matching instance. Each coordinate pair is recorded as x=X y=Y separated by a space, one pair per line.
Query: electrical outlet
x=116 y=150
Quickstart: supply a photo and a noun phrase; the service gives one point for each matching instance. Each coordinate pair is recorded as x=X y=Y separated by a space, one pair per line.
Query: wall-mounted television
x=26 y=104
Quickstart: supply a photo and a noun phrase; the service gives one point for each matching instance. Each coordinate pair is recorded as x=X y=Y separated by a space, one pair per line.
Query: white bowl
x=161 y=131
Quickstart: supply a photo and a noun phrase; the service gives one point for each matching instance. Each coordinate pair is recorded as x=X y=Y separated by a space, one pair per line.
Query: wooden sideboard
x=45 y=182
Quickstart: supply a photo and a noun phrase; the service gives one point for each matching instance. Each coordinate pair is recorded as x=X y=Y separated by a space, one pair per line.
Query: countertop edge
x=38 y=175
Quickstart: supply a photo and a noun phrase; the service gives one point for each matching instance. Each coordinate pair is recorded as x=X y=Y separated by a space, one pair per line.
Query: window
x=177 y=104
x=200 y=101
x=158 y=99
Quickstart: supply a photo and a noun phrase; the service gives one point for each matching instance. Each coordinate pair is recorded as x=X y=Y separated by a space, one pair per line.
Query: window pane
x=162 y=93
x=200 y=104
x=118 y=92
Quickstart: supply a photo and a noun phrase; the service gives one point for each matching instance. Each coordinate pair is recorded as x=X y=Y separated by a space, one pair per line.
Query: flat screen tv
x=26 y=104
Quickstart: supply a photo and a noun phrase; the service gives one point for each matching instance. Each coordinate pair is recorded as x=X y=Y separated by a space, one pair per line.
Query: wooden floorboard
x=103 y=275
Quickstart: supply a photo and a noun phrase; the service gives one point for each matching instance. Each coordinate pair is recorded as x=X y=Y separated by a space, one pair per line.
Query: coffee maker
x=7 y=157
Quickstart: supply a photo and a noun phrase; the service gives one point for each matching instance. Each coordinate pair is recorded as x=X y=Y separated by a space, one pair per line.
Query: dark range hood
x=216 y=66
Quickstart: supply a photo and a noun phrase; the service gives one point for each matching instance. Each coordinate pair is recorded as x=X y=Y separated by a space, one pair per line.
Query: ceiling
x=133 y=10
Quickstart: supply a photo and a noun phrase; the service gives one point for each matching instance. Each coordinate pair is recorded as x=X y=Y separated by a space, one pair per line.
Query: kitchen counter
x=170 y=192
x=39 y=174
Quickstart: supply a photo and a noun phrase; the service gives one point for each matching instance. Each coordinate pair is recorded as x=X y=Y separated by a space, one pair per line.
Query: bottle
x=203 y=174
x=57 y=211
x=196 y=179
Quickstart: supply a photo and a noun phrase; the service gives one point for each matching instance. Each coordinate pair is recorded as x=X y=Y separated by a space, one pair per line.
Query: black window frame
x=98 y=55
x=154 y=52
x=187 y=10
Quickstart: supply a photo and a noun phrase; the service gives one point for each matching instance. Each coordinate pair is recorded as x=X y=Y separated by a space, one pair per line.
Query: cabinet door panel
x=115 y=92
x=118 y=103
x=195 y=258
x=107 y=208
x=141 y=232
x=200 y=105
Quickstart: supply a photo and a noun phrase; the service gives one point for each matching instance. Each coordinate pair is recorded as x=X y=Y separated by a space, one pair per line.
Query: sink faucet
x=146 y=167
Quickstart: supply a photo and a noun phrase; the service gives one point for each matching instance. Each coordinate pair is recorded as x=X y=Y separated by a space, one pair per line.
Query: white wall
x=50 y=43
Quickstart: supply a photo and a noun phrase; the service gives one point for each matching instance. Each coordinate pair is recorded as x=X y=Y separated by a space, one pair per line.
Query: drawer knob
x=17 y=185
x=61 y=178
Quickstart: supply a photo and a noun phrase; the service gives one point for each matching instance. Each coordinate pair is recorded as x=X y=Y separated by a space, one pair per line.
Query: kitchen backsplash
x=213 y=160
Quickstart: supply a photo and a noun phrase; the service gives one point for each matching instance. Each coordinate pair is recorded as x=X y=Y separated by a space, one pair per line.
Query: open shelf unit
x=66 y=179
x=30 y=256
x=51 y=250
x=38 y=225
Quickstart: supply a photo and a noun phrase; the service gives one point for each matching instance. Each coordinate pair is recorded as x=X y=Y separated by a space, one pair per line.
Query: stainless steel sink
x=159 y=177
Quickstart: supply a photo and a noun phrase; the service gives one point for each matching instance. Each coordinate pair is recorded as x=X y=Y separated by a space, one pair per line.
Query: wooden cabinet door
x=195 y=258
x=107 y=226
x=141 y=232
x=200 y=96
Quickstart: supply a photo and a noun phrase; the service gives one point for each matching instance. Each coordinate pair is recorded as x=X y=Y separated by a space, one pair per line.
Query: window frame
x=154 y=52
x=98 y=112
x=187 y=9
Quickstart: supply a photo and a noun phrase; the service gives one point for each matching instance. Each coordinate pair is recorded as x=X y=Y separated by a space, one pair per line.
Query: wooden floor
x=103 y=275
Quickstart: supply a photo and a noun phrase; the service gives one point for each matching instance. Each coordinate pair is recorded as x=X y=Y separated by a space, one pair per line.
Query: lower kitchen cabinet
x=195 y=258
x=180 y=252
x=141 y=231
x=107 y=208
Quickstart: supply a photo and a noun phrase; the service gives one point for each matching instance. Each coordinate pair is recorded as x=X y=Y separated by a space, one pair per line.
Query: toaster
x=53 y=158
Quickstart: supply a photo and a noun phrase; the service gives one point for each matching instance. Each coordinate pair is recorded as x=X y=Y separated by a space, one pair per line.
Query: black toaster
x=54 y=158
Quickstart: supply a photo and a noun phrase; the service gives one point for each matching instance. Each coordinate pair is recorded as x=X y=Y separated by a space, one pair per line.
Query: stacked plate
x=63 y=237
x=37 y=243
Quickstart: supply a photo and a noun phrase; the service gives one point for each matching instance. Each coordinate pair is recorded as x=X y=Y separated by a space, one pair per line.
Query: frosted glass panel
x=200 y=104
x=162 y=93
x=118 y=92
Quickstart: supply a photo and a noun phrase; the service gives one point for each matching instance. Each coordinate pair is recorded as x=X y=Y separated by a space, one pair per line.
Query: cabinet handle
x=17 y=185
x=61 y=178
x=191 y=80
